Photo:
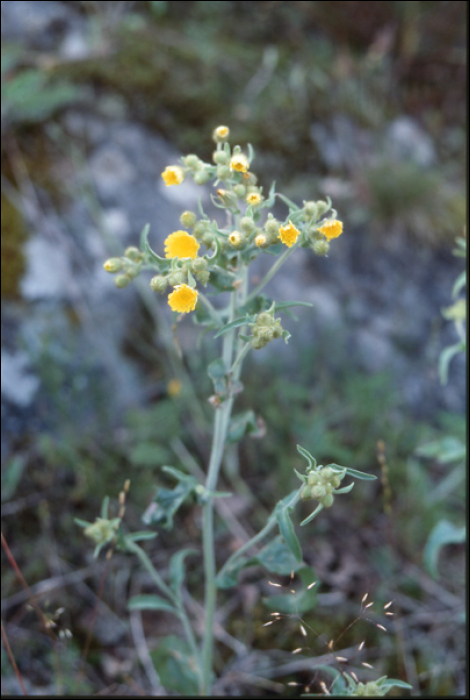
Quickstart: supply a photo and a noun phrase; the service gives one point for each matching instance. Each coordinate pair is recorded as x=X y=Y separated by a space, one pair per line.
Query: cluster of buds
x=266 y=328
x=102 y=531
x=127 y=267
x=321 y=483
x=371 y=689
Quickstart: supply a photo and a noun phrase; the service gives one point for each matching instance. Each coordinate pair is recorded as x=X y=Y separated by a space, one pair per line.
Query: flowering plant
x=248 y=321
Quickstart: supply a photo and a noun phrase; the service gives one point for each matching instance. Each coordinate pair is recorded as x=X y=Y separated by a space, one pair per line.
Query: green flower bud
x=240 y=191
x=133 y=253
x=220 y=158
x=322 y=208
x=310 y=211
x=199 y=265
x=265 y=334
x=250 y=178
x=223 y=172
x=113 y=265
x=321 y=247
x=159 y=283
x=247 y=224
x=192 y=161
x=221 y=134
x=272 y=228
x=264 y=318
x=277 y=329
x=312 y=478
x=336 y=481
x=102 y=530
x=201 y=177
x=208 y=239
x=203 y=276
x=228 y=198
x=188 y=219
x=200 y=229
x=318 y=492
x=131 y=270
x=327 y=500
x=305 y=493
x=176 y=278
x=122 y=281
x=257 y=343
x=326 y=475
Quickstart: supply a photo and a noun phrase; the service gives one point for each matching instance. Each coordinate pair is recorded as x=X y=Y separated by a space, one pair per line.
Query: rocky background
x=358 y=101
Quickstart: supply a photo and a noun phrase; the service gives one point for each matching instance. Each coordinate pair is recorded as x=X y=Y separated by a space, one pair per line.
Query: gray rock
x=406 y=140
x=18 y=384
x=48 y=272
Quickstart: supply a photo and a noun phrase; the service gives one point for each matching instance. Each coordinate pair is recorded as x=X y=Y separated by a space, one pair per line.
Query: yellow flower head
x=236 y=239
x=221 y=133
x=289 y=234
x=183 y=299
x=261 y=241
x=239 y=162
x=332 y=229
x=173 y=175
x=254 y=198
x=181 y=244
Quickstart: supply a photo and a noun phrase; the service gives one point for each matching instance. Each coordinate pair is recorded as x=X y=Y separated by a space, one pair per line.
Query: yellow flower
x=173 y=175
x=261 y=241
x=174 y=388
x=181 y=245
x=221 y=133
x=332 y=229
x=289 y=234
x=239 y=163
x=183 y=299
x=254 y=198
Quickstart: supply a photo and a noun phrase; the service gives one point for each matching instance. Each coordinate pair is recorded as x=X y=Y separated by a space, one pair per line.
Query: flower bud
x=188 y=219
x=102 y=530
x=228 y=198
x=322 y=208
x=326 y=475
x=240 y=190
x=312 y=478
x=220 y=158
x=176 y=278
x=200 y=229
x=158 y=283
x=223 y=172
x=221 y=134
x=192 y=161
x=199 y=264
x=236 y=239
x=261 y=241
x=113 y=265
x=133 y=253
x=247 y=224
x=264 y=318
x=310 y=211
x=321 y=247
x=208 y=239
x=327 y=501
x=318 y=492
x=122 y=281
x=201 y=177
x=305 y=493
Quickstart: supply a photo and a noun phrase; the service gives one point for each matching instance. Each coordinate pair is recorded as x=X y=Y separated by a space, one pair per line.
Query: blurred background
x=364 y=102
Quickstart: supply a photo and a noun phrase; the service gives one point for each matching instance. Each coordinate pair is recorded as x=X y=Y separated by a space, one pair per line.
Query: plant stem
x=270 y=274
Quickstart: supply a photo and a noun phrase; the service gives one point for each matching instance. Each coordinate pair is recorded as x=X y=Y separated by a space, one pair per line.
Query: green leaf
x=81 y=523
x=345 y=489
x=448 y=449
x=177 y=569
x=312 y=462
x=242 y=321
x=221 y=280
x=148 y=454
x=176 y=667
x=150 y=602
x=313 y=515
x=394 y=683
x=218 y=373
x=104 y=508
x=166 y=503
x=444 y=532
x=288 y=304
x=229 y=577
x=287 y=201
x=282 y=514
x=277 y=557
x=243 y=424
x=355 y=473
x=151 y=254
x=179 y=475
x=141 y=535
x=460 y=282
x=445 y=358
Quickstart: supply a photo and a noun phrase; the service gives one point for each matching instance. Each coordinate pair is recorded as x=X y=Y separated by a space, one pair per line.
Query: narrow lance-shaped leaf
x=282 y=513
x=150 y=602
x=242 y=321
x=313 y=515
x=177 y=569
x=312 y=462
